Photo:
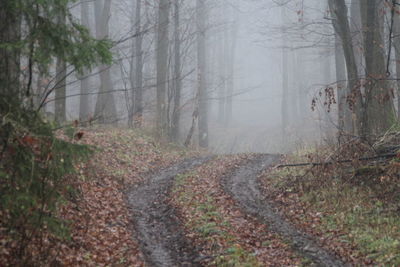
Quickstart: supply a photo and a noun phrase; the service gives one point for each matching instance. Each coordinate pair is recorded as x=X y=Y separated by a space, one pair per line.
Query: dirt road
x=156 y=224
x=161 y=235
x=243 y=186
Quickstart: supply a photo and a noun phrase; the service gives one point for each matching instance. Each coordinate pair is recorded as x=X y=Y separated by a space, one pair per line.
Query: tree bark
x=285 y=79
x=233 y=29
x=294 y=107
x=378 y=98
x=177 y=75
x=201 y=68
x=396 y=44
x=221 y=77
x=138 y=113
x=105 y=110
x=135 y=112
x=340 y=23
x=9 y=58
x=357 y=35
x=344 y=113
x=84 y=112
x=162 y=66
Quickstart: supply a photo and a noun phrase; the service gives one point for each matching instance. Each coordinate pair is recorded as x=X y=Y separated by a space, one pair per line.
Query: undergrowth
x=33 y=180
x=358 y=202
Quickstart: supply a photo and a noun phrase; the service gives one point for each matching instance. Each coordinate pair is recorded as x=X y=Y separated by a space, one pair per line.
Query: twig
x=383 y=156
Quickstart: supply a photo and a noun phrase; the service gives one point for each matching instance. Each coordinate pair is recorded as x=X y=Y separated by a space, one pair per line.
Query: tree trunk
x=301 y=93
x=135 y=112
x=327 y=79
x=84 y=112
x=285 y=79
x=294 y=108
x=231 y=66
x=340 y=23
x=378 y=98
x=396 y=43
x=344 y=113
x=39 y=88
x=177 y=75
x=356 y=33
x=138 y=113
x=105 y=110
x=60 y=87
x=9 y=58
x=221 y=77
x=201 y=68
x=162 y=66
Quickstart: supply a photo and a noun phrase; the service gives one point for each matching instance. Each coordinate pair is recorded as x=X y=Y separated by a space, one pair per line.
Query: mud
x=160 y=234
x=243 y=186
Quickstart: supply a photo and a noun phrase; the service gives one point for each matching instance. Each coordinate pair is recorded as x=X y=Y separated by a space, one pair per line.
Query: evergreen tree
x=33 y=163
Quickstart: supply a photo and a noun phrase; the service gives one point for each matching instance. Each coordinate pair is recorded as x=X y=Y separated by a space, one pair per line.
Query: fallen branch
x=383 y=156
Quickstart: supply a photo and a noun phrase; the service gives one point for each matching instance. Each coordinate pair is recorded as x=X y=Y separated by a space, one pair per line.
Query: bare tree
x=201 y=68
x=105 y=109
x=231 y=50
x=378 y=98
x=135 y=112
x=222 y=44
x=396 y=44
x=285 y=78
x=175 y=127
x=162 y=65
x=340 y=23
x=10 y=32
x=84 y=112
x=344 y=113
x=138 y=113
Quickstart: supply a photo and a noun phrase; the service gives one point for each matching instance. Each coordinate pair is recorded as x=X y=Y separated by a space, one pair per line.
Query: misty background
x=254 y=49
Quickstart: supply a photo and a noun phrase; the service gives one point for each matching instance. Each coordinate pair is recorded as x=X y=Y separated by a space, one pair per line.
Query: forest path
x=243 y=186
x=159 y=232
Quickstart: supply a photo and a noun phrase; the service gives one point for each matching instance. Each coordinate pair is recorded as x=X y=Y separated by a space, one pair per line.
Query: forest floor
x=142 y=203
x=99 y=214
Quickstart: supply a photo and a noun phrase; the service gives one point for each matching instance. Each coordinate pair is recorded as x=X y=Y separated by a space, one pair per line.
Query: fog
x=257 y=116
x=263 y=64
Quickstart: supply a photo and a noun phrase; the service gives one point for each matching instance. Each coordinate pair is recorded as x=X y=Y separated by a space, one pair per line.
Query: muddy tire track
x=243 y=186
x=160 y=235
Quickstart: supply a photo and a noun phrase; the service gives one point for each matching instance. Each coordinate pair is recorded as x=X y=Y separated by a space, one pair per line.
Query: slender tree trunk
x=294 y=111
x=222 y=44
x=138 y=114
x=396 y=43
x=285 y=80
x=105 y=110
x=201 y=67
x=162 y=66
x=231 y=69
x=84 y=108
x=327 y=65
x=135 y=112
x=378 y=98
x=60 y=87
x=344 y=113
x=301 y=93
x=221 y=78
x=9 y=58
x=177 y=75
x=340 y=23
x=357 y=35
x=39 y=88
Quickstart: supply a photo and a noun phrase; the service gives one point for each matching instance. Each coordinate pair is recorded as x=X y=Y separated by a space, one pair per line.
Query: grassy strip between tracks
x=214 y=223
